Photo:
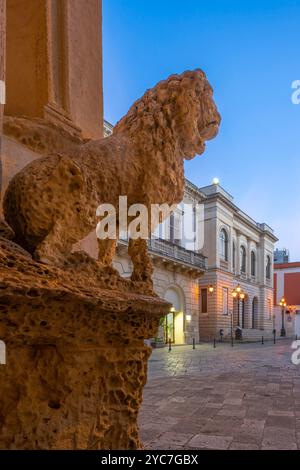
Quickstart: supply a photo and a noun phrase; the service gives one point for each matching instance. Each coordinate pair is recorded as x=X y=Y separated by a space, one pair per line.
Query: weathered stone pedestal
x=76 y=359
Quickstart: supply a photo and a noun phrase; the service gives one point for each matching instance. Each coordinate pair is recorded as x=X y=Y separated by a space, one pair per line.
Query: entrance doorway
x=174 y=322
x=174 y=331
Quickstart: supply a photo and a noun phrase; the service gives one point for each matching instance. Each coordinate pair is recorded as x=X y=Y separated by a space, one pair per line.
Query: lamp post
x=238 y=295
x=282 y=304
x=211 y=290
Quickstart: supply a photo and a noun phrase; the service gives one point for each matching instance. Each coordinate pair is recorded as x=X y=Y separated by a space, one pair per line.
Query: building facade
x=240 y=253
x=287 y=286
x=199 y=274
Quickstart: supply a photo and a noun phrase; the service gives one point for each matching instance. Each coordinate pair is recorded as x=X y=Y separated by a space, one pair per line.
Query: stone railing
x=176 y=252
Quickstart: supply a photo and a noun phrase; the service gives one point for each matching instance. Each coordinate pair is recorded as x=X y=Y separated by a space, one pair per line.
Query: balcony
x=172 y=255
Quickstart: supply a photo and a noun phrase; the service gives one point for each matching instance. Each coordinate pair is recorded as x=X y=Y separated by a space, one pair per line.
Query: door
x=297 y=323
x=169 y=328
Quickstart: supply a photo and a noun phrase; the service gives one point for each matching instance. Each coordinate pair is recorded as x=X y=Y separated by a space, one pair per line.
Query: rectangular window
x=225 y=301
x=204 y=300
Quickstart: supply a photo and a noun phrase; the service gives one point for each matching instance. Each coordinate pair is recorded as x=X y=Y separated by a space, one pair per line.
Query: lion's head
x=178 y=115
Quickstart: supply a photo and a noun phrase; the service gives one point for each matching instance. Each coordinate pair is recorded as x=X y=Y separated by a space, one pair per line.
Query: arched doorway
x=255 y=313
x=174 y=322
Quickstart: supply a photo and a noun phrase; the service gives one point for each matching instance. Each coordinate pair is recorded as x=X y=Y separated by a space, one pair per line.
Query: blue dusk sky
x=250 y=53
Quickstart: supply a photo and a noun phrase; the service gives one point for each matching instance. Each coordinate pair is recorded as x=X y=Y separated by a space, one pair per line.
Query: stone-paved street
x=246 y=397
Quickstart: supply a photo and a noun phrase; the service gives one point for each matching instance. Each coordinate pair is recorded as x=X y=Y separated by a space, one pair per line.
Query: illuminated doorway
x=174 y=322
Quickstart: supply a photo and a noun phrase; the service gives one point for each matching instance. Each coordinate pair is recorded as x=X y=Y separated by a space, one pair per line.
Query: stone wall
x=54 y=68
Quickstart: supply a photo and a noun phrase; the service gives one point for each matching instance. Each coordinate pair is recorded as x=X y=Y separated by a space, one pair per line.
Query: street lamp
x=282 y=304
x=238 y=294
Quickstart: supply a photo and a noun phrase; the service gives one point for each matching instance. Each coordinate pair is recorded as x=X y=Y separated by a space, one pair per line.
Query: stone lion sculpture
x=51 y=204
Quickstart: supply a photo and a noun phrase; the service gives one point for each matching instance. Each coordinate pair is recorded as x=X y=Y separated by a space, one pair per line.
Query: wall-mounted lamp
x=211 y=289
x=188 y=318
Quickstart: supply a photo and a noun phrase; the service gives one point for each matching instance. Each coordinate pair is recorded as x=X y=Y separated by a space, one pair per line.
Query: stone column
x=54 y=63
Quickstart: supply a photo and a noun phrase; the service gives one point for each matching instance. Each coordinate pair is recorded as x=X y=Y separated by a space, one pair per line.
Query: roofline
x=295 y=264
x=195 y=188
x=242 y=215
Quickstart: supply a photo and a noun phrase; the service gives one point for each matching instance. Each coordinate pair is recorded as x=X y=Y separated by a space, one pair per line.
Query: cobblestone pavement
x=245 y=397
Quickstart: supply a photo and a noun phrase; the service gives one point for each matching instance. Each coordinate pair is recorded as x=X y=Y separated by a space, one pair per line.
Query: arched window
x=243 y=259
x=253 y=263
x=233 y=256
x=268 y=267
x=223 y=245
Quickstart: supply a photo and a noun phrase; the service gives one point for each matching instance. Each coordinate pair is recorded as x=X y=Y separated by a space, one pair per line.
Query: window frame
x=223 y=244
x=268 y=268
x=225 y=297
x=233 y=255
x=243 y=259
x=253 y=263
x=204 y=300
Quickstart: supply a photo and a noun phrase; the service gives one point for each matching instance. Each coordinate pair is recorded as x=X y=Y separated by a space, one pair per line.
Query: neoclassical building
x=239 y=251
x=199 y=277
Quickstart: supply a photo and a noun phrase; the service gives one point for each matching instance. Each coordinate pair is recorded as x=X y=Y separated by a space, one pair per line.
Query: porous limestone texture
x=76 y=358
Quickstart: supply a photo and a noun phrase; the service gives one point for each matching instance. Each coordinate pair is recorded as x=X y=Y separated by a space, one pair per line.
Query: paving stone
x=250 y=431
x=258 y=412
x=279 y=438
x=203 y=441
x=170 y=440
x=221 y=425
x=189 y=426
x=281 y=421
x=281 y=413
x=243 y=446
x=233 y=411
x=246 y=397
